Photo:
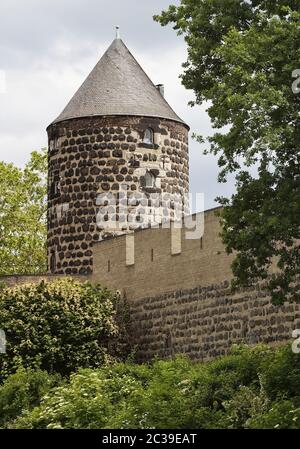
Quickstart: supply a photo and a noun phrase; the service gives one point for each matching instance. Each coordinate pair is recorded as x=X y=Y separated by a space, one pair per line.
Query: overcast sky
x=48 y=47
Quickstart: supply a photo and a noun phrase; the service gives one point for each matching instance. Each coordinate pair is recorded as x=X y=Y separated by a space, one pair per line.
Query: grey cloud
x=32 y=28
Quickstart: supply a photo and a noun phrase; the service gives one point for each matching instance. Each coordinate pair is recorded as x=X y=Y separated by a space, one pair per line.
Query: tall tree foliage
x=241 y=55
x=23 y=216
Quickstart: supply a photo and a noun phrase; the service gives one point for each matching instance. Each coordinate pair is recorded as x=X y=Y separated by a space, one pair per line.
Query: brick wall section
x=97 y=155
x=200 y=263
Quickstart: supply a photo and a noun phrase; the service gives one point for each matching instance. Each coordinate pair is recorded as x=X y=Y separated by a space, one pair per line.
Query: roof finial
x=117 y=32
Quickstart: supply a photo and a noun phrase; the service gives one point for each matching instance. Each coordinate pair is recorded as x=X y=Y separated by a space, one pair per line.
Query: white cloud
x=2 y=82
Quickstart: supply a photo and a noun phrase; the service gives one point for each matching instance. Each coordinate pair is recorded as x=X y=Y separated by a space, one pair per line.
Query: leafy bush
x=58 y=326
x=89 y=401
x=23 y=391
x=249 y=388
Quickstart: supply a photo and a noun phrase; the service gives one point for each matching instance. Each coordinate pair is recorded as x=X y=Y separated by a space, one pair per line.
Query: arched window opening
x=149 y=136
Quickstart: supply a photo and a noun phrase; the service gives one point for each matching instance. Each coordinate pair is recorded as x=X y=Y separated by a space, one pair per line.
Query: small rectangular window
x=108 y=266
x=201 y=243
x=152 y=255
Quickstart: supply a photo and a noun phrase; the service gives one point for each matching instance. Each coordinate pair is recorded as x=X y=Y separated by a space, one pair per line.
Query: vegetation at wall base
x=251 y=388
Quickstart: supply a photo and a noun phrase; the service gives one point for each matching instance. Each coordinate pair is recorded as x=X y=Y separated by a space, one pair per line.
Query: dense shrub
x=58 y=326
x=250 y=388
x=22 y=391
x=90 y=399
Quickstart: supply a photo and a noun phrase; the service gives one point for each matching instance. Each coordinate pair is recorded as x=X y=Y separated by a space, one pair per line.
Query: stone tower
x=117 y=136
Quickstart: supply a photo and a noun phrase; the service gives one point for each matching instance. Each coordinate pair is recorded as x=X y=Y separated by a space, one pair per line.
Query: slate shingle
x=118 y=86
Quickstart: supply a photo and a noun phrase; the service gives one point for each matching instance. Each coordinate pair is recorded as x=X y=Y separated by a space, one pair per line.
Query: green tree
x=241 y=55
x=23 y=209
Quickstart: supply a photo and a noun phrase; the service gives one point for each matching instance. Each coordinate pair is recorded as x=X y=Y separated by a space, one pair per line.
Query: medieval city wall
x=178 y=292
x=180 y=298
x=157 y=268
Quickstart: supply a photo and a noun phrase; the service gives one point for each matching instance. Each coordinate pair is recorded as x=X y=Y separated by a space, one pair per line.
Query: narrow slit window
x=108 y=266
x=52 y=263
x=201 y=243
x=55 y=187
x=152 y=255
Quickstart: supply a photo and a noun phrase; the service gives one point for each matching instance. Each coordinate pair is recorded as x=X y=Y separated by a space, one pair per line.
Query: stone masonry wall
x=204 y=322
x=97 y=155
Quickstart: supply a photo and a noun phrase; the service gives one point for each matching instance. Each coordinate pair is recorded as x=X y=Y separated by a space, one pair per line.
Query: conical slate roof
x=118 y=86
